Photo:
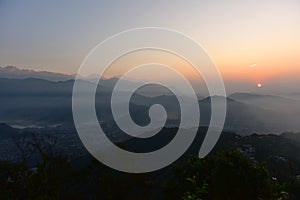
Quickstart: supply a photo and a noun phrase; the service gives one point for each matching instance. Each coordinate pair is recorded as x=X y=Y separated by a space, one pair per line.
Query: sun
x=259 y=85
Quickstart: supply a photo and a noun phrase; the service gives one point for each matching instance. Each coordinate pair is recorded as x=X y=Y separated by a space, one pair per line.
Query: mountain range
x=30 y=101
x=16 y=73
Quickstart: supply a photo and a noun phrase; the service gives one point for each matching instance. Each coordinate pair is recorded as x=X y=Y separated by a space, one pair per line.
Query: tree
x=226 y=175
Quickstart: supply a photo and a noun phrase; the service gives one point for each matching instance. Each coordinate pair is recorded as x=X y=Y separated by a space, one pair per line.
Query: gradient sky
x=253 y=40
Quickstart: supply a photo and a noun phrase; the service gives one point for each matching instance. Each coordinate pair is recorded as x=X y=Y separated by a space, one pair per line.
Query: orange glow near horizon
x=137 y=58
x=250 y=70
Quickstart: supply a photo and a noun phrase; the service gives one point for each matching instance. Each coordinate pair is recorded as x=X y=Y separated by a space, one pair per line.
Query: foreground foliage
x=228 y=175
x=225 y=175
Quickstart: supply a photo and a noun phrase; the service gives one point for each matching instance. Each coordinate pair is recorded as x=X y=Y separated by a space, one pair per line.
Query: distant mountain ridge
x=41 y=102
x=284 y=104
x=30 y=99
x=16 y=73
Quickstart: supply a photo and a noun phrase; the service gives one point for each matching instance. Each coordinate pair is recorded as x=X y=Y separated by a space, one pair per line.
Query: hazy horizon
x=279 y=87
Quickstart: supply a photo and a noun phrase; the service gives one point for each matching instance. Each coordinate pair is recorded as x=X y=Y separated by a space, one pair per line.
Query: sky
x=255 y=41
